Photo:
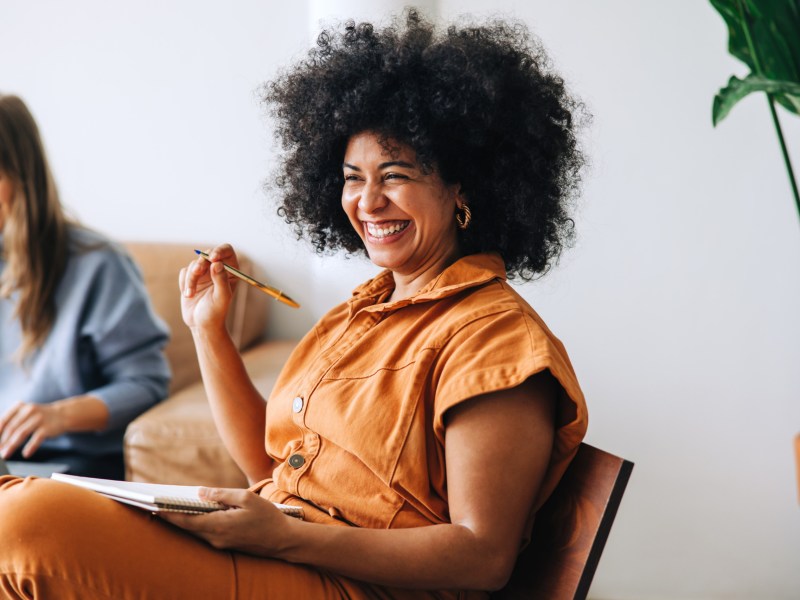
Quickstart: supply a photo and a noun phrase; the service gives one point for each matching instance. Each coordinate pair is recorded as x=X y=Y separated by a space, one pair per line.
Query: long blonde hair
x=35 y=231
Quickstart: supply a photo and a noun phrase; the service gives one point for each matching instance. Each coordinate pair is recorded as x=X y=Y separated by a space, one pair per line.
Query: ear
x=460 y=198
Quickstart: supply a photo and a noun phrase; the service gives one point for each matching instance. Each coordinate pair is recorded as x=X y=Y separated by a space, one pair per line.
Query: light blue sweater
x=106 y=341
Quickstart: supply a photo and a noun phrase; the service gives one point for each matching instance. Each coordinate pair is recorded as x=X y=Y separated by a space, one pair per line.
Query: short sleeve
x=500 y=351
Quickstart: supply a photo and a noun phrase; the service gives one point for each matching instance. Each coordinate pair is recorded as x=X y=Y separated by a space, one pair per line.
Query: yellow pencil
x=277 y=294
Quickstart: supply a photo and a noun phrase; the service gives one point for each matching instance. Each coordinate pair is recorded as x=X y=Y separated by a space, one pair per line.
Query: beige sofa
x=176 y=441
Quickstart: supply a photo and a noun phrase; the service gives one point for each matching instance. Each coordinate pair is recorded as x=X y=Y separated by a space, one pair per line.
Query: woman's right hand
x=207 y=289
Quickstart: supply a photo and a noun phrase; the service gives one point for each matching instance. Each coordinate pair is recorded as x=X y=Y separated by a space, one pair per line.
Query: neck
x=408 y=284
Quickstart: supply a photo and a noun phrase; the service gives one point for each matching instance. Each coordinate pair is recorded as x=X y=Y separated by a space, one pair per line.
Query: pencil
x=277 y=294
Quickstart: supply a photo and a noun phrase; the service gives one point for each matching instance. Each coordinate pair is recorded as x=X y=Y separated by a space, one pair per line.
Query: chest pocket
x=370 y=410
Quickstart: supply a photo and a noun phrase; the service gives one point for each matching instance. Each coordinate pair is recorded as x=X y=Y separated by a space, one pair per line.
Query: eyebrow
x=384 y=165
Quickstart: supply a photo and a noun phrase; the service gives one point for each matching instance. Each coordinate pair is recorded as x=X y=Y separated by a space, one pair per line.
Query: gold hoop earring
x=463 y=217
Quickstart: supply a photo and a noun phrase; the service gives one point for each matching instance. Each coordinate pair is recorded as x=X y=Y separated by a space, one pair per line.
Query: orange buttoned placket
x=302 y=457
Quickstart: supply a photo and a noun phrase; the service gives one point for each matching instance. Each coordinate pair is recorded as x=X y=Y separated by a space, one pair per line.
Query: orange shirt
x=355 y=422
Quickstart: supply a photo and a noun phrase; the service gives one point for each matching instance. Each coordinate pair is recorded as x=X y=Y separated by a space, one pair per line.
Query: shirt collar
x=467 y=272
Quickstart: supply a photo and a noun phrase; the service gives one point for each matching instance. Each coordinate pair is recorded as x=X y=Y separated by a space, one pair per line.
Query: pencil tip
x=197 y=252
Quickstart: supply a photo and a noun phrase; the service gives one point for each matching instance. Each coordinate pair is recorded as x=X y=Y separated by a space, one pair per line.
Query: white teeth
x=381 y=231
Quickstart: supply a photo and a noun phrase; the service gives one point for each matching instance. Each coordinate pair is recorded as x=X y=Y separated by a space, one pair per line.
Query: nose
x=372 y=198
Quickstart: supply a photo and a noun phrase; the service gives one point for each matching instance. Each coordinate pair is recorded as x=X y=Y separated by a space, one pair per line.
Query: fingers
x=182 y=280
x=198 y=273
x=6 y=418
x=235 y=498
x=24 y=420
x=222 y=283
x=225 y=253
x=11 y=420
x=194 y=276
x=34 y=442
x=208 y=526
x=184 y=521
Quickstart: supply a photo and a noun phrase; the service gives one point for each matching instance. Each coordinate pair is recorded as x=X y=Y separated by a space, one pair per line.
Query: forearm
x=446 y=556
x=236 y=405
x=81 y=413
x=129 y=396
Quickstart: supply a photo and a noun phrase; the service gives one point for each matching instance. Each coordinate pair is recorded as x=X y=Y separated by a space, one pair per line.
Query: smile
x=382 y=230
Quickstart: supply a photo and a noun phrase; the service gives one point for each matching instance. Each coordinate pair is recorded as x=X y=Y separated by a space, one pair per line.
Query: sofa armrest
x=176 y=442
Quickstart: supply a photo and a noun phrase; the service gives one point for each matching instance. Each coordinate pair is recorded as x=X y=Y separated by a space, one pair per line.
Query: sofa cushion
x=160 y=264
x=176 y=442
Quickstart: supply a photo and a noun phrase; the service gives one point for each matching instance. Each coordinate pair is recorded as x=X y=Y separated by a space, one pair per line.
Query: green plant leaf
x=737 y=89
x=774 y=26
x=765 y=35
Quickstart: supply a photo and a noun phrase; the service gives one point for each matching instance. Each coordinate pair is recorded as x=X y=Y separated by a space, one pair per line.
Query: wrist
x=210 y=333
x=78 y=413
x=289 y=542
x=59 y=416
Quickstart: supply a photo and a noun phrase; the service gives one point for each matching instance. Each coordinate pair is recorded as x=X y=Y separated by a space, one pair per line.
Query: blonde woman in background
x=80 y=347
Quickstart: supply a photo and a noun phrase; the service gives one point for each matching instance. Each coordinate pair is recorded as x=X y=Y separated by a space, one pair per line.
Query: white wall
x=679 y=303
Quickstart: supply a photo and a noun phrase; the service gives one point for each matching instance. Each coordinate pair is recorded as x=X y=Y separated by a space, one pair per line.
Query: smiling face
x=405 y=216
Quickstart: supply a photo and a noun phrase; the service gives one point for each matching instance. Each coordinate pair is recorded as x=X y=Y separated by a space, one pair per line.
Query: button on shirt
x=356 y=418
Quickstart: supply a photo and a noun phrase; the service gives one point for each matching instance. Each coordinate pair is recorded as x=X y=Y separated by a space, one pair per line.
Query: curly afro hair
x=476 y=102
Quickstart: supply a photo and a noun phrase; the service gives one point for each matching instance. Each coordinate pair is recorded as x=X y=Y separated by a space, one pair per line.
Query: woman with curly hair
x=421 y=423
x=81 y=350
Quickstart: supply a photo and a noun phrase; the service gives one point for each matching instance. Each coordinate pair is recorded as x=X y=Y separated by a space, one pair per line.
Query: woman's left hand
x=251 y=523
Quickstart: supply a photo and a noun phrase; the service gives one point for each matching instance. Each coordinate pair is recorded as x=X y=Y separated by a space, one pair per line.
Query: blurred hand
x=25 y=420
x=207 y=289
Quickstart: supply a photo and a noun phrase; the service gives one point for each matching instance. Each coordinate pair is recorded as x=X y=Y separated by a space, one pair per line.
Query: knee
x=29 y=510
x=39 y=523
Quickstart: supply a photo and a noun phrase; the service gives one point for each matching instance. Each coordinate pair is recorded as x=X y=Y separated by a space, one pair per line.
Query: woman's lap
x=60 y=541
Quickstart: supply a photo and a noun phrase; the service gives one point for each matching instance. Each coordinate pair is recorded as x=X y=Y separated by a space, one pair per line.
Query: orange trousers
x=62 y=542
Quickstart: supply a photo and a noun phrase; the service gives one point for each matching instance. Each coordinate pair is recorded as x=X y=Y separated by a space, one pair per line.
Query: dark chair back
x=571 y=530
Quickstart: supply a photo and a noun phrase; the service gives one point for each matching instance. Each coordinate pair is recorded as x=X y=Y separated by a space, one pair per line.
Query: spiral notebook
x=157 y=497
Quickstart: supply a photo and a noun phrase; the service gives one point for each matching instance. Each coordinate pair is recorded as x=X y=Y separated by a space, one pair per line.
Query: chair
x=570 y=530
